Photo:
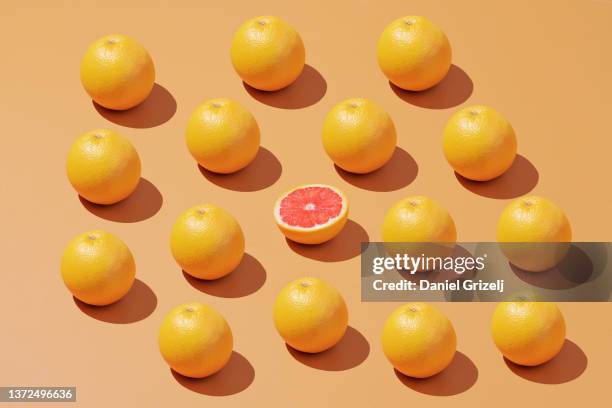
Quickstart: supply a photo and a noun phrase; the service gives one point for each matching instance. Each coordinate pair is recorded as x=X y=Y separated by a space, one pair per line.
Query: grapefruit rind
x=319 y=233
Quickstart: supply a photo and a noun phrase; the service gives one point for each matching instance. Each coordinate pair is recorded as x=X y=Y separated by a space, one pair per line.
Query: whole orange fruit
x=534 y=233
x=195 y=340
x=267 y=53
x=222 y=136
x=528 y=333
x=418 y=219
x=98 y=268
x=310 y=315
x=117 y=72
x=418 y=226
x=103 y=166
x=359 y=136
x=414 y=53
x=419 y=340
x=207 y=242
x=479 y=143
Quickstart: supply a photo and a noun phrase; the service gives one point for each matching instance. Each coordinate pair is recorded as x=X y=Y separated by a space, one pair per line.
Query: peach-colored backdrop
x=545 y=65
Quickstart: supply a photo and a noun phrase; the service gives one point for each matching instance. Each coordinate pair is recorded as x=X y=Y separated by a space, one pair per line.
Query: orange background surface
x=545 y=65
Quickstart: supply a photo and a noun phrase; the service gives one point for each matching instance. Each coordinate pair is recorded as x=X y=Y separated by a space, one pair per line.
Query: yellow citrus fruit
x=311 y=214
x=533 y=219
x=419 y=340
x=359 y=136
x=207 y=242
x=195 y=340
x=117 y=72
x=479 y=143
x=414 y=53
x=98 y=268
x=528 y=333
x=541 y=225
x=413 y=224
x=418 y=219
x=222 y=136
x=267 y=53
x=310 y=315
x=103 y=166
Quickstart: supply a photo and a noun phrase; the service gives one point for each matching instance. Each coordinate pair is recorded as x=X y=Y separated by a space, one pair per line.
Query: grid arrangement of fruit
x=360 y=137
x=317 y=220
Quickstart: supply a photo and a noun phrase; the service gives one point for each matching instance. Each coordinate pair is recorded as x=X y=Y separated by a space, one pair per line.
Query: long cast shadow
x=143 y=203
x=157 y=109
x=307 y=90
x=566 y=366
x=574 y=270
x=235 y=377
x=346 y=245
x=351 y=350
x=518 y=180
x=397 y=173
x=452 y=91
x=136 y=305
x=458 y=377
x=261 y=173
x=247 y=278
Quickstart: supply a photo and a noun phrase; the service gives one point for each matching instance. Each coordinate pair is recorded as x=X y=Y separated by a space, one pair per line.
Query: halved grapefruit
x=311 y=214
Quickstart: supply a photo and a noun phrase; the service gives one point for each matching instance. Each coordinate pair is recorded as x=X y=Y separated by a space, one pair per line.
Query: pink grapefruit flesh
x=311 y=214
x=310 y=206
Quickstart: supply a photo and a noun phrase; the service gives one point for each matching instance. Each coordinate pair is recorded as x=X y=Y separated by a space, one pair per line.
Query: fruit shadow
x=346 y=245
x=157 y=109
x=246 y=279
x=397 y=173
x=458 y=377
x=574 y=270
x=261 y=173
x=136 y=305
x=235 y=377
x=518 y=180
x=453 y=90
x=143 y=203
x=566 y=366
x=351 y=350
x=308 y=89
